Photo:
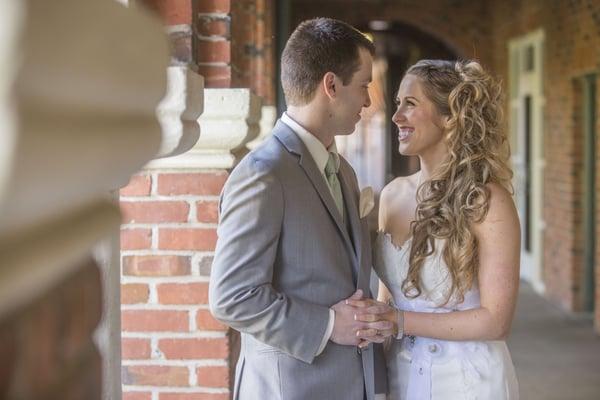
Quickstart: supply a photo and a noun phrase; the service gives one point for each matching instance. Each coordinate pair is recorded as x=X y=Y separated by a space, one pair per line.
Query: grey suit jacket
x=283 y=257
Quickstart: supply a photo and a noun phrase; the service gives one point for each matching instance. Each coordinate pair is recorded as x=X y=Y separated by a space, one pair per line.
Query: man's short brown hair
x=316 y=47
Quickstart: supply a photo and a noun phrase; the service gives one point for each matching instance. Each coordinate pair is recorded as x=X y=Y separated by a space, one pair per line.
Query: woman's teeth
x=404 y=133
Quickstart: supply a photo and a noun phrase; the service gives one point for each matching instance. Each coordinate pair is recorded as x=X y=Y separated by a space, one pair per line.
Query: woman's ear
x=329 y=84
x=444 y=121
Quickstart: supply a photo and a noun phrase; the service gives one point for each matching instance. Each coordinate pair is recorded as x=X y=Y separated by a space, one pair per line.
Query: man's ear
x=329 y=84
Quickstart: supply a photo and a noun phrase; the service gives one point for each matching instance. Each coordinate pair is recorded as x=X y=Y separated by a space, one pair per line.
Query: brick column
x=234 y=47
x=172 y=347
x=211 y=47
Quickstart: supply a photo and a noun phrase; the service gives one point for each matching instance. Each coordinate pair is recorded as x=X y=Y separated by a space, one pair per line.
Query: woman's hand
x=373 y=312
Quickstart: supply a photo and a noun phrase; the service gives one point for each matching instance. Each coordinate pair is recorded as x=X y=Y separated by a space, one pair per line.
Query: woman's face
x=420 y=125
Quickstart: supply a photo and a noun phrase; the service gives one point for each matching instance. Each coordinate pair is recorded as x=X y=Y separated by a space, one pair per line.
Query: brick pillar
x=212 y=45
x=252 y=47
x=63 y=362
x=172 y=347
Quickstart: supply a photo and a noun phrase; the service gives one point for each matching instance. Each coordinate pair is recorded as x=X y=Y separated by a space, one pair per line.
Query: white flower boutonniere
x=366 y=202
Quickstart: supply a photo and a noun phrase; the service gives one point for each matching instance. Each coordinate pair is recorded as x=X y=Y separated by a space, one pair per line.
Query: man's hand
x=348 y=328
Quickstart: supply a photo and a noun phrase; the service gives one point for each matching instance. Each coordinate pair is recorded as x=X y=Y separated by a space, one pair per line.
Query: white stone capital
x=230 y=120
x=179 y=110
x=267 y=121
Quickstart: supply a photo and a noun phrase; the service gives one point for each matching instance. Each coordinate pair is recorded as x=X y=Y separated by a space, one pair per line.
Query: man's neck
x=313 y=122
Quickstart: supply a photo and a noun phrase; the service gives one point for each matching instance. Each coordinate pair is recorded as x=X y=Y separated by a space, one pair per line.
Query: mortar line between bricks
x=212 y=64
x=164 y=279
x=160 y=307
x=160 y=252
x=195 y=171
x=174 y=335
x=179 y=28
x=192 y=376
x=213 y=15
x=154 y=238
x=177 y=389
x=154 y=183
x=194 y=363
x=173 y=198
x=170 y=225
x=152 y=292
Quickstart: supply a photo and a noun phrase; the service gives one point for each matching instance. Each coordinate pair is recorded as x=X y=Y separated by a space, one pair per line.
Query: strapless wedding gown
x=421 y=368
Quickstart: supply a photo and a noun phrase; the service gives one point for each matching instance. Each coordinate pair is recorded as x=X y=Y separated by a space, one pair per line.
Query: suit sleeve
x=241 y=292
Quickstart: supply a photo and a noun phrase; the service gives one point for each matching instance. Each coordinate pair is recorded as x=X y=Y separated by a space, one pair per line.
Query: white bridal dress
x=422 y=368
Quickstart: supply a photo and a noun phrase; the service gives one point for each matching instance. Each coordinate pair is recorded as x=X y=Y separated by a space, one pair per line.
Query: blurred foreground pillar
x=74 y=96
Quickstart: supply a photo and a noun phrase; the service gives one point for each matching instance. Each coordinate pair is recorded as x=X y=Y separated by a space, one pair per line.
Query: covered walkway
x=557 y=355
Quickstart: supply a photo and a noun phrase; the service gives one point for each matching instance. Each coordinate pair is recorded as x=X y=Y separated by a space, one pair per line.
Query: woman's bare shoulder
x=396 y=198
x=502 y=213
x=400 y=186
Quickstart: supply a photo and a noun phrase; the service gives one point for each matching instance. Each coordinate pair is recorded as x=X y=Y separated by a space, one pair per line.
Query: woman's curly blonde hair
x=456 y=194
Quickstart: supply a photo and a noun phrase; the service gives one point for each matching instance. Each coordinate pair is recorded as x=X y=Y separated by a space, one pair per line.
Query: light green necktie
x=331 y=169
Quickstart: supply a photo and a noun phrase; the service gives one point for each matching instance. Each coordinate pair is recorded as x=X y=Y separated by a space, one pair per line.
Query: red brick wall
x=46 y=348
x=172 y=348
x=177 y=15
x=212 y=44
x=170 y=341
x=464 y=26
x=233 y=44
x=252 y=48
x=570 y=51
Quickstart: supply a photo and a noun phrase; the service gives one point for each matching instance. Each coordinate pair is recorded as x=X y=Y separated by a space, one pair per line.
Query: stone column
x=74 y=95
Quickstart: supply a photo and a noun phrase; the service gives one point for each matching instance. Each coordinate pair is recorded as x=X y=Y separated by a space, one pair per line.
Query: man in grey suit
x=292 y=247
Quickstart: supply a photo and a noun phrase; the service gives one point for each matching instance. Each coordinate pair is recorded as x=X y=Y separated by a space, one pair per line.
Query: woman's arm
x=383 y=294
x=498 y=237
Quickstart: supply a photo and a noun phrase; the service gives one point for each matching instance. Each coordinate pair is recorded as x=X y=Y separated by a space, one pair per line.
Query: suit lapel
x=293 y=143
x=352 y=212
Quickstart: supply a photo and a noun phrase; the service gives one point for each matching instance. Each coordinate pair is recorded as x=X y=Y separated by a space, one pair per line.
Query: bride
x=448 y=248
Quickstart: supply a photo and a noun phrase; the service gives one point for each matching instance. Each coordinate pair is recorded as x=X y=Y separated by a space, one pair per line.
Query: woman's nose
x=398 y=116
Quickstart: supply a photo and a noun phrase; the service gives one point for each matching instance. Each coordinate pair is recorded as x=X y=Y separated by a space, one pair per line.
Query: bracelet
x=400 y=322
x=399 y=319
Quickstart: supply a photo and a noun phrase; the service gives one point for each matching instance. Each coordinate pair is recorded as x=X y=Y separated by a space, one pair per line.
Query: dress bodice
x=391 y=264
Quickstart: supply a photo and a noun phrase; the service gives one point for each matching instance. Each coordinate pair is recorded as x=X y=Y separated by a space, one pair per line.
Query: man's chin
x=350 y=130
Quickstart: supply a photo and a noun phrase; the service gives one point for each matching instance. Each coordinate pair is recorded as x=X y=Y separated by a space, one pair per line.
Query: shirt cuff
x=328 y=332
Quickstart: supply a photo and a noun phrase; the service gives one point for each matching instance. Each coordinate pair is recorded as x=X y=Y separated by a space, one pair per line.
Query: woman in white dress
x=448 y=248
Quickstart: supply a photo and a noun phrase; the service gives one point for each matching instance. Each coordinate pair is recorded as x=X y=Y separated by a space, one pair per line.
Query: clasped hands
x=360 y=321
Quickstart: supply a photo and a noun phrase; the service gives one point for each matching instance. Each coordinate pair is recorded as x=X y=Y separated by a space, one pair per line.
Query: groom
x=291 y=245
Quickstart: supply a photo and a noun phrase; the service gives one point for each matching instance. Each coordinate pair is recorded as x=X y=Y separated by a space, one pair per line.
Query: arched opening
x=401 y=45
x=373 y=148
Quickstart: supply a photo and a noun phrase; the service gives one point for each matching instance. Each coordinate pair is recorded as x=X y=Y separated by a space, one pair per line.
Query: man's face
x=354 y=96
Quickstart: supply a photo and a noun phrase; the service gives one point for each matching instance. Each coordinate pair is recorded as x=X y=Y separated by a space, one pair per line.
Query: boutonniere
x=366 y=201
